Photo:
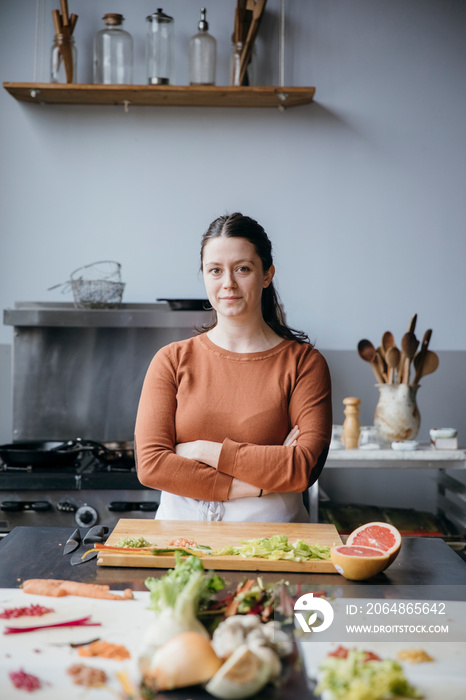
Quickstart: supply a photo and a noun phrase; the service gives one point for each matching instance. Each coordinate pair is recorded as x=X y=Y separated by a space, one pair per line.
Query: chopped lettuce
x=177 y=599
x=277 y=547
x=187 y=583
x=356 y=678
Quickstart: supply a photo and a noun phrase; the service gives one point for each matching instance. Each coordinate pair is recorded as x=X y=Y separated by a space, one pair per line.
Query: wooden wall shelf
x=160 y=95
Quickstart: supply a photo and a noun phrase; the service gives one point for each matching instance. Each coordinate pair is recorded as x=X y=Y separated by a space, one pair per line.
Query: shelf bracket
x=282 y=96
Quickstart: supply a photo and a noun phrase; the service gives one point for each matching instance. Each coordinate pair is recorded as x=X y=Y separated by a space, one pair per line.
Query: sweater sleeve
x=158 y=466
x=283 y=469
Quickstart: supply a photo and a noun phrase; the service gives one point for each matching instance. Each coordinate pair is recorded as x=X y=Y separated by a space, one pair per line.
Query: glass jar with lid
x=159 y=48
x=113 y=52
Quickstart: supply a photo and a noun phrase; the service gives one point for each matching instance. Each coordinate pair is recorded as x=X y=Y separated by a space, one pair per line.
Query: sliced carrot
x=232 y=607
x=94 y=590
x=46 y=586
x=143 y=550
x=59 y=588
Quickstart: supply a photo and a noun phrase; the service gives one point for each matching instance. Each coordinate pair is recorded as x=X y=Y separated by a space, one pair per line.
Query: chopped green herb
x=133 y=542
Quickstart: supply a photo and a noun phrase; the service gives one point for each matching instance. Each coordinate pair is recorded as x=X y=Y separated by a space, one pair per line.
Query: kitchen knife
x=97 y=533
x=72 y=542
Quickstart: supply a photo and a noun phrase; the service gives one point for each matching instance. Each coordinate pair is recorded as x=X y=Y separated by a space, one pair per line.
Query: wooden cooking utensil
x=393 y=356
x=369 y=354
x=412 y=324
x=381 y=361
x=73 y=20
x=64 y=13
x=420 y=357
x=64 y=26
x=257 y=7
x=409 y=345
x=242 y=21
x=56 y=21
x=430 y=364
x=388 y=341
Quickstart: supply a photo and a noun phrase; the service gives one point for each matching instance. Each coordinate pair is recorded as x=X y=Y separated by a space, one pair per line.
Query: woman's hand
x=204 y=451
x=240 y=489
x=290 y=440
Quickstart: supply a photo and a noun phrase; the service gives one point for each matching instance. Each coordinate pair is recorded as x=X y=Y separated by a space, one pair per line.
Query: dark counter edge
x=37 y=552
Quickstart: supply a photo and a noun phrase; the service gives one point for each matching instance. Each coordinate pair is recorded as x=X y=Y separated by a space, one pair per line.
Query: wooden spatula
x=421 y=356
x=258 y=7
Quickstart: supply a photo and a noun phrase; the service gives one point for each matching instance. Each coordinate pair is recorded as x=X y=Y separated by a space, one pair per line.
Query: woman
x=235 y=423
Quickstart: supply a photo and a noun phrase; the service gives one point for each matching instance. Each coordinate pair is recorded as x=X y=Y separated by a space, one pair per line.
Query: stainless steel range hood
x=79 y=372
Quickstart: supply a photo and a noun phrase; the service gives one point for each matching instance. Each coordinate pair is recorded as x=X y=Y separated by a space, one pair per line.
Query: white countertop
x=47 y=654
x=441 y=679
x=421 y=458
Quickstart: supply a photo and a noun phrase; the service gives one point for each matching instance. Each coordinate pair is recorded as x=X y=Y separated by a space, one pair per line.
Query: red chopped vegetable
x=25 y=681
x=30 y=611
x=340 y=652
x=83 y=622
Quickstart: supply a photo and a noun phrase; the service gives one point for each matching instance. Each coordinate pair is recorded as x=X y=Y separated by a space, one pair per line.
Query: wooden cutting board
x=218 y=535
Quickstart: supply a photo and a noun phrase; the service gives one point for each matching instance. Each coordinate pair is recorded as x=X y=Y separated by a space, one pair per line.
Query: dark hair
x=238 y=226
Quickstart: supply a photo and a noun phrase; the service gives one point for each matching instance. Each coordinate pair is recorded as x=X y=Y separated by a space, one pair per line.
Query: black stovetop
x=88 y=473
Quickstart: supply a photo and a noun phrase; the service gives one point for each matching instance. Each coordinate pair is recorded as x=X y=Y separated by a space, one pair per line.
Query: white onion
x=187 y=659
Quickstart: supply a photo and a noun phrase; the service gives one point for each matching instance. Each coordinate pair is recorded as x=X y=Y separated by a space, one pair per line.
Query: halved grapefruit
x=378 y=535
x=358 y=563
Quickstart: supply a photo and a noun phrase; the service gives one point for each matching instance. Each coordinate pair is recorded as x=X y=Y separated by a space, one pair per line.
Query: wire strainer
x=96 y=286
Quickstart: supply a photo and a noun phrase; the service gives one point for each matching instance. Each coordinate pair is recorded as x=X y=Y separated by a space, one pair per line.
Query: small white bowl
x=443 y=433
x=405 y=445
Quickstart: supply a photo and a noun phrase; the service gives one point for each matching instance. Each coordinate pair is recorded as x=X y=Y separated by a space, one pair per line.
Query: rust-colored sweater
x=195 y=390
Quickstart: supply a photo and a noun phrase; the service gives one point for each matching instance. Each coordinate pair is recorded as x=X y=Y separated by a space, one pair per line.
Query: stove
x=87 y=492
x=79 y=372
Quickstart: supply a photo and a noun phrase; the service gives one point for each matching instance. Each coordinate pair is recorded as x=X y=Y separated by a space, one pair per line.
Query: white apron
x=275 y=507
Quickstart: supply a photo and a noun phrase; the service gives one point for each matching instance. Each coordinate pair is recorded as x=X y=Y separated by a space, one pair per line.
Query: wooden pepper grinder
x=351 y=426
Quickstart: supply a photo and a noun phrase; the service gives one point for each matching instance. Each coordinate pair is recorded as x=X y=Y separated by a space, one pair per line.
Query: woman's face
x=234 y=277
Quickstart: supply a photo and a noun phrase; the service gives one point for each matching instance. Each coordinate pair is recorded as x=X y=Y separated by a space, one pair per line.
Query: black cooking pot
x=40 y=453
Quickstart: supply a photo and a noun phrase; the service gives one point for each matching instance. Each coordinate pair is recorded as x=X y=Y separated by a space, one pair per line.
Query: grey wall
x=362 y=192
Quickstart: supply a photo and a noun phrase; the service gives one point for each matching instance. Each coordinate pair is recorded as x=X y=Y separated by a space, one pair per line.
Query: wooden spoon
x=420 y=357
x=430 y=364
x=388 y=341
x=393 y=356
x=409 y=345
x=369 y=354
x=381 y=361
